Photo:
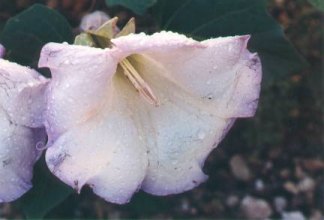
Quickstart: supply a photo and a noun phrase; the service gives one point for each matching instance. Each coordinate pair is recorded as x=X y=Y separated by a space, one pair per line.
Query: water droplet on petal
x=230 y=48
x=30 y=84
x=201 y=135
x=40 y=146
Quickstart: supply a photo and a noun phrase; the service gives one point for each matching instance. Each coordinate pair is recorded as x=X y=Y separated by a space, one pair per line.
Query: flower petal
x=80 y=78
x=180 y=133
x=222 y=71
x=21 y=106
x=21 y=92
x=219 y=76
x=104 y=152
x=96 y=141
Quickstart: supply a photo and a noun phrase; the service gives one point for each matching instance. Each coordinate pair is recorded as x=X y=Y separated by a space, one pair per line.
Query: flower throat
x=101 y=38
x=138 y=82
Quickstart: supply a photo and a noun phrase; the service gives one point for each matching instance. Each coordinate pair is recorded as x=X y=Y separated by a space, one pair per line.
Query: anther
x=142 y=87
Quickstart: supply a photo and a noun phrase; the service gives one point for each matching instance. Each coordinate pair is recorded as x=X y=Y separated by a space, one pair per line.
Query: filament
x=142 y=87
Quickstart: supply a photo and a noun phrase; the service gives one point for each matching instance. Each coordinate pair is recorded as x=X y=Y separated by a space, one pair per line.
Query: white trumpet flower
x=146 y=112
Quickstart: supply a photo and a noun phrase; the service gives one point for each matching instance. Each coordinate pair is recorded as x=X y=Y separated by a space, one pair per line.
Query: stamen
x=142 y=87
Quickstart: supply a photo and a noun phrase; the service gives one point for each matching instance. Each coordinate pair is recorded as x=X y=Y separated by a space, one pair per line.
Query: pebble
x=314 y=165
x=291 y=187
x=239 y=168
x=254 y=208
x=232 y=201
x=295 y=215
x=185 y=206
x=299 y=172
x=259 y=185
x=279 y=203
x=307 y=184
x=316 y=215
x=268 y=165
x=285 y=173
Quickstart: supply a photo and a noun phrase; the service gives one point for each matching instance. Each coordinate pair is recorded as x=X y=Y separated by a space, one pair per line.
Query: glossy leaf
x=137 y=6
x=47 y=192
x=318 y=4
x=26 y=33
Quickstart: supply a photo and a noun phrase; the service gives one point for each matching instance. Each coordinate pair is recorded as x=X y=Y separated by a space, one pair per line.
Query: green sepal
x=99 y=41
x=108 y=29
x=101 y=37
x=84 y=39
x=129 y=28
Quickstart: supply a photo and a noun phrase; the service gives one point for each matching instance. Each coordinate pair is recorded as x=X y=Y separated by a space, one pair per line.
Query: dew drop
x=230 y=48
x=40 y=146
x=30 y=84
x=201 y=135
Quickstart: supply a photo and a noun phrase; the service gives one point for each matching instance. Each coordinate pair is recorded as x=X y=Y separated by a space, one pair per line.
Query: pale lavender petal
x=202 y=87
x=221 y=71
x=80 y=78
x=21 y=106
x=22 y=93
x=94 y=140
x=179 y=134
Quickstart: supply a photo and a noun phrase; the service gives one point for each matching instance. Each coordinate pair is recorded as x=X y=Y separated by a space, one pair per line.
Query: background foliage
x=285 y=133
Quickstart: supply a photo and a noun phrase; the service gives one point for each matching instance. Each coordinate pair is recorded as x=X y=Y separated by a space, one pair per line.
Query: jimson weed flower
x=132 y=111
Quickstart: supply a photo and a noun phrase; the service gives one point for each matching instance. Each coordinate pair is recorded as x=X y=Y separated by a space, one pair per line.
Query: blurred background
x=271 y=165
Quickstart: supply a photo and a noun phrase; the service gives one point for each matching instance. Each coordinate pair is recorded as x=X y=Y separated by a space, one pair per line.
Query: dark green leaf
x=204 y=19
x=26 y=33
x=137 y=6
x=47 y=192
x=318 y=4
